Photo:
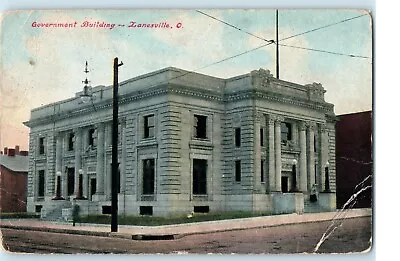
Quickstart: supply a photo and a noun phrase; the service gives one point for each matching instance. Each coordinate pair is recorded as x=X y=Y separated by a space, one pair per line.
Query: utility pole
x=277 y=45
x=114 y=162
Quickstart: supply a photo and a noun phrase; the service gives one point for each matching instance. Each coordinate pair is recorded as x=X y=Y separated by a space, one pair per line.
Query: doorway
x=92 y=187
x=285 y=184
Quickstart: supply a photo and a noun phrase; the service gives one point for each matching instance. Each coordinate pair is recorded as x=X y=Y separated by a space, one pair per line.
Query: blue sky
x=43 y=65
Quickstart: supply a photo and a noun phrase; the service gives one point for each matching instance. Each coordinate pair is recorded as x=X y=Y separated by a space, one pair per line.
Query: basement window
x=106 y=210
x=146 y=210
x=38 y=208
x=201 y=209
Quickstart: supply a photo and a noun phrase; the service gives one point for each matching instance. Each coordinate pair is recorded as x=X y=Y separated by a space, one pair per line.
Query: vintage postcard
x=191 y=131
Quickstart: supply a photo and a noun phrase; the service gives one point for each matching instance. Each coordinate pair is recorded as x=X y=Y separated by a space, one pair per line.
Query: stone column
x=271 y=153
x=311 y=155
x=64 y=173
x=322 y=159
x=100 y=160
x=324 y=153
x=59 y=143
x=123 y=158
x=78 y=160
x=303 y=159
x=278 y=155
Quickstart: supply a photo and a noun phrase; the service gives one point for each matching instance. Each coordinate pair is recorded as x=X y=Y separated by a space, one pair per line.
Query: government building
x=188 y=142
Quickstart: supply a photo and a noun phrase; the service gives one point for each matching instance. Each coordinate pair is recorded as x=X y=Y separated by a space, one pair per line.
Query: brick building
x=188 y=142
x=354 y=157
x=13 y=180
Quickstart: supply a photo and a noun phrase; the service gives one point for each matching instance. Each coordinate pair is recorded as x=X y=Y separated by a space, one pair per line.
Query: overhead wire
x=269 y=42
x=297 y=47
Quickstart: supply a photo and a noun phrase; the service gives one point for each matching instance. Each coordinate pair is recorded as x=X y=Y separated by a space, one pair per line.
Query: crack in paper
x=339 y=217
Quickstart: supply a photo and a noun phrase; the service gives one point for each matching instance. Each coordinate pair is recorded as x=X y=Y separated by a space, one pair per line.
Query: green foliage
x=158 y=221
x=18 y=215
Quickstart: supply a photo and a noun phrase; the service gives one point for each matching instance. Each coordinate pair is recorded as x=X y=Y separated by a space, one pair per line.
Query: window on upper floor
x=200 y=127
x=237 y=137
x=149 y=126
x=42 y=145
x=91 y=137
x=286 y=132
x=315 y=143
x=71 y=141
x=262 y=137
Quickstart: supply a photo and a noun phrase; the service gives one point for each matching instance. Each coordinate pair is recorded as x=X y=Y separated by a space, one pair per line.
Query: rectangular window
x=237 y=137
x=262 y=137
x=200 y=127
x=199 y=177
x=91 y=137
x=148 y=177
x=41 y=183
x=315 y=143
x=41 y=145
x=149 y=126
x=286 y=132
x=71 y=139
x=262 y=170
x=238 y=170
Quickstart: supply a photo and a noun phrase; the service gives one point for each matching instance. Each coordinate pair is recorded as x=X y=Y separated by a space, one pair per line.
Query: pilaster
x=278 y=154
x=271 y=153
x=303 y=158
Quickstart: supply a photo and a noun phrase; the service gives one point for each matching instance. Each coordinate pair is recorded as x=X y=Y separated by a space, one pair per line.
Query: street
x=353 y=235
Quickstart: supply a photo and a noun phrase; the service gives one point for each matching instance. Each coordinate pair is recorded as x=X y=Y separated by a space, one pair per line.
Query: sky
x=44 y=65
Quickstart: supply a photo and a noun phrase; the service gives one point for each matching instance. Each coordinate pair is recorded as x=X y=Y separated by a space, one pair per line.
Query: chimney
x=16 y=149
x=23 y=153
x=11 y=152
x=5 y=150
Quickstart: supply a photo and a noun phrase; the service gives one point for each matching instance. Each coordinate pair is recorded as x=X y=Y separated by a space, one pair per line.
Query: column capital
x=322 y=127
x=279 y=119
x=271 y=119
x=259 y=116
x=302 y=126
x=77 y=130
x=311 y=125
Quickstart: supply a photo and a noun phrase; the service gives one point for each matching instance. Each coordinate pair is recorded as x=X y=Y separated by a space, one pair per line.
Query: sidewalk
x=180 y=230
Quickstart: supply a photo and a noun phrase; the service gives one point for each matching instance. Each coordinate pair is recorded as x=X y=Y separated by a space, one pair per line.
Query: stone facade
x=187 y=142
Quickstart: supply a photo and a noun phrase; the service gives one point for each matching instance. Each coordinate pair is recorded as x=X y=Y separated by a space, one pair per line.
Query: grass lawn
x=158 y=221
x=18 y=215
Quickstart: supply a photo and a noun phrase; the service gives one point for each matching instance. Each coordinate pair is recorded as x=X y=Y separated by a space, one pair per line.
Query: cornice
x=185 y=91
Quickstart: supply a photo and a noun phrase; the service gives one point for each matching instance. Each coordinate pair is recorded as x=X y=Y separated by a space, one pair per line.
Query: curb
x=172 y=235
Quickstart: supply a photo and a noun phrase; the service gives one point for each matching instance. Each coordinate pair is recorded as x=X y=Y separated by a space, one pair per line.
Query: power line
x=251 y=50
x=323 y=51
x=297 y=47
x=323 y=27
x=235 y=27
